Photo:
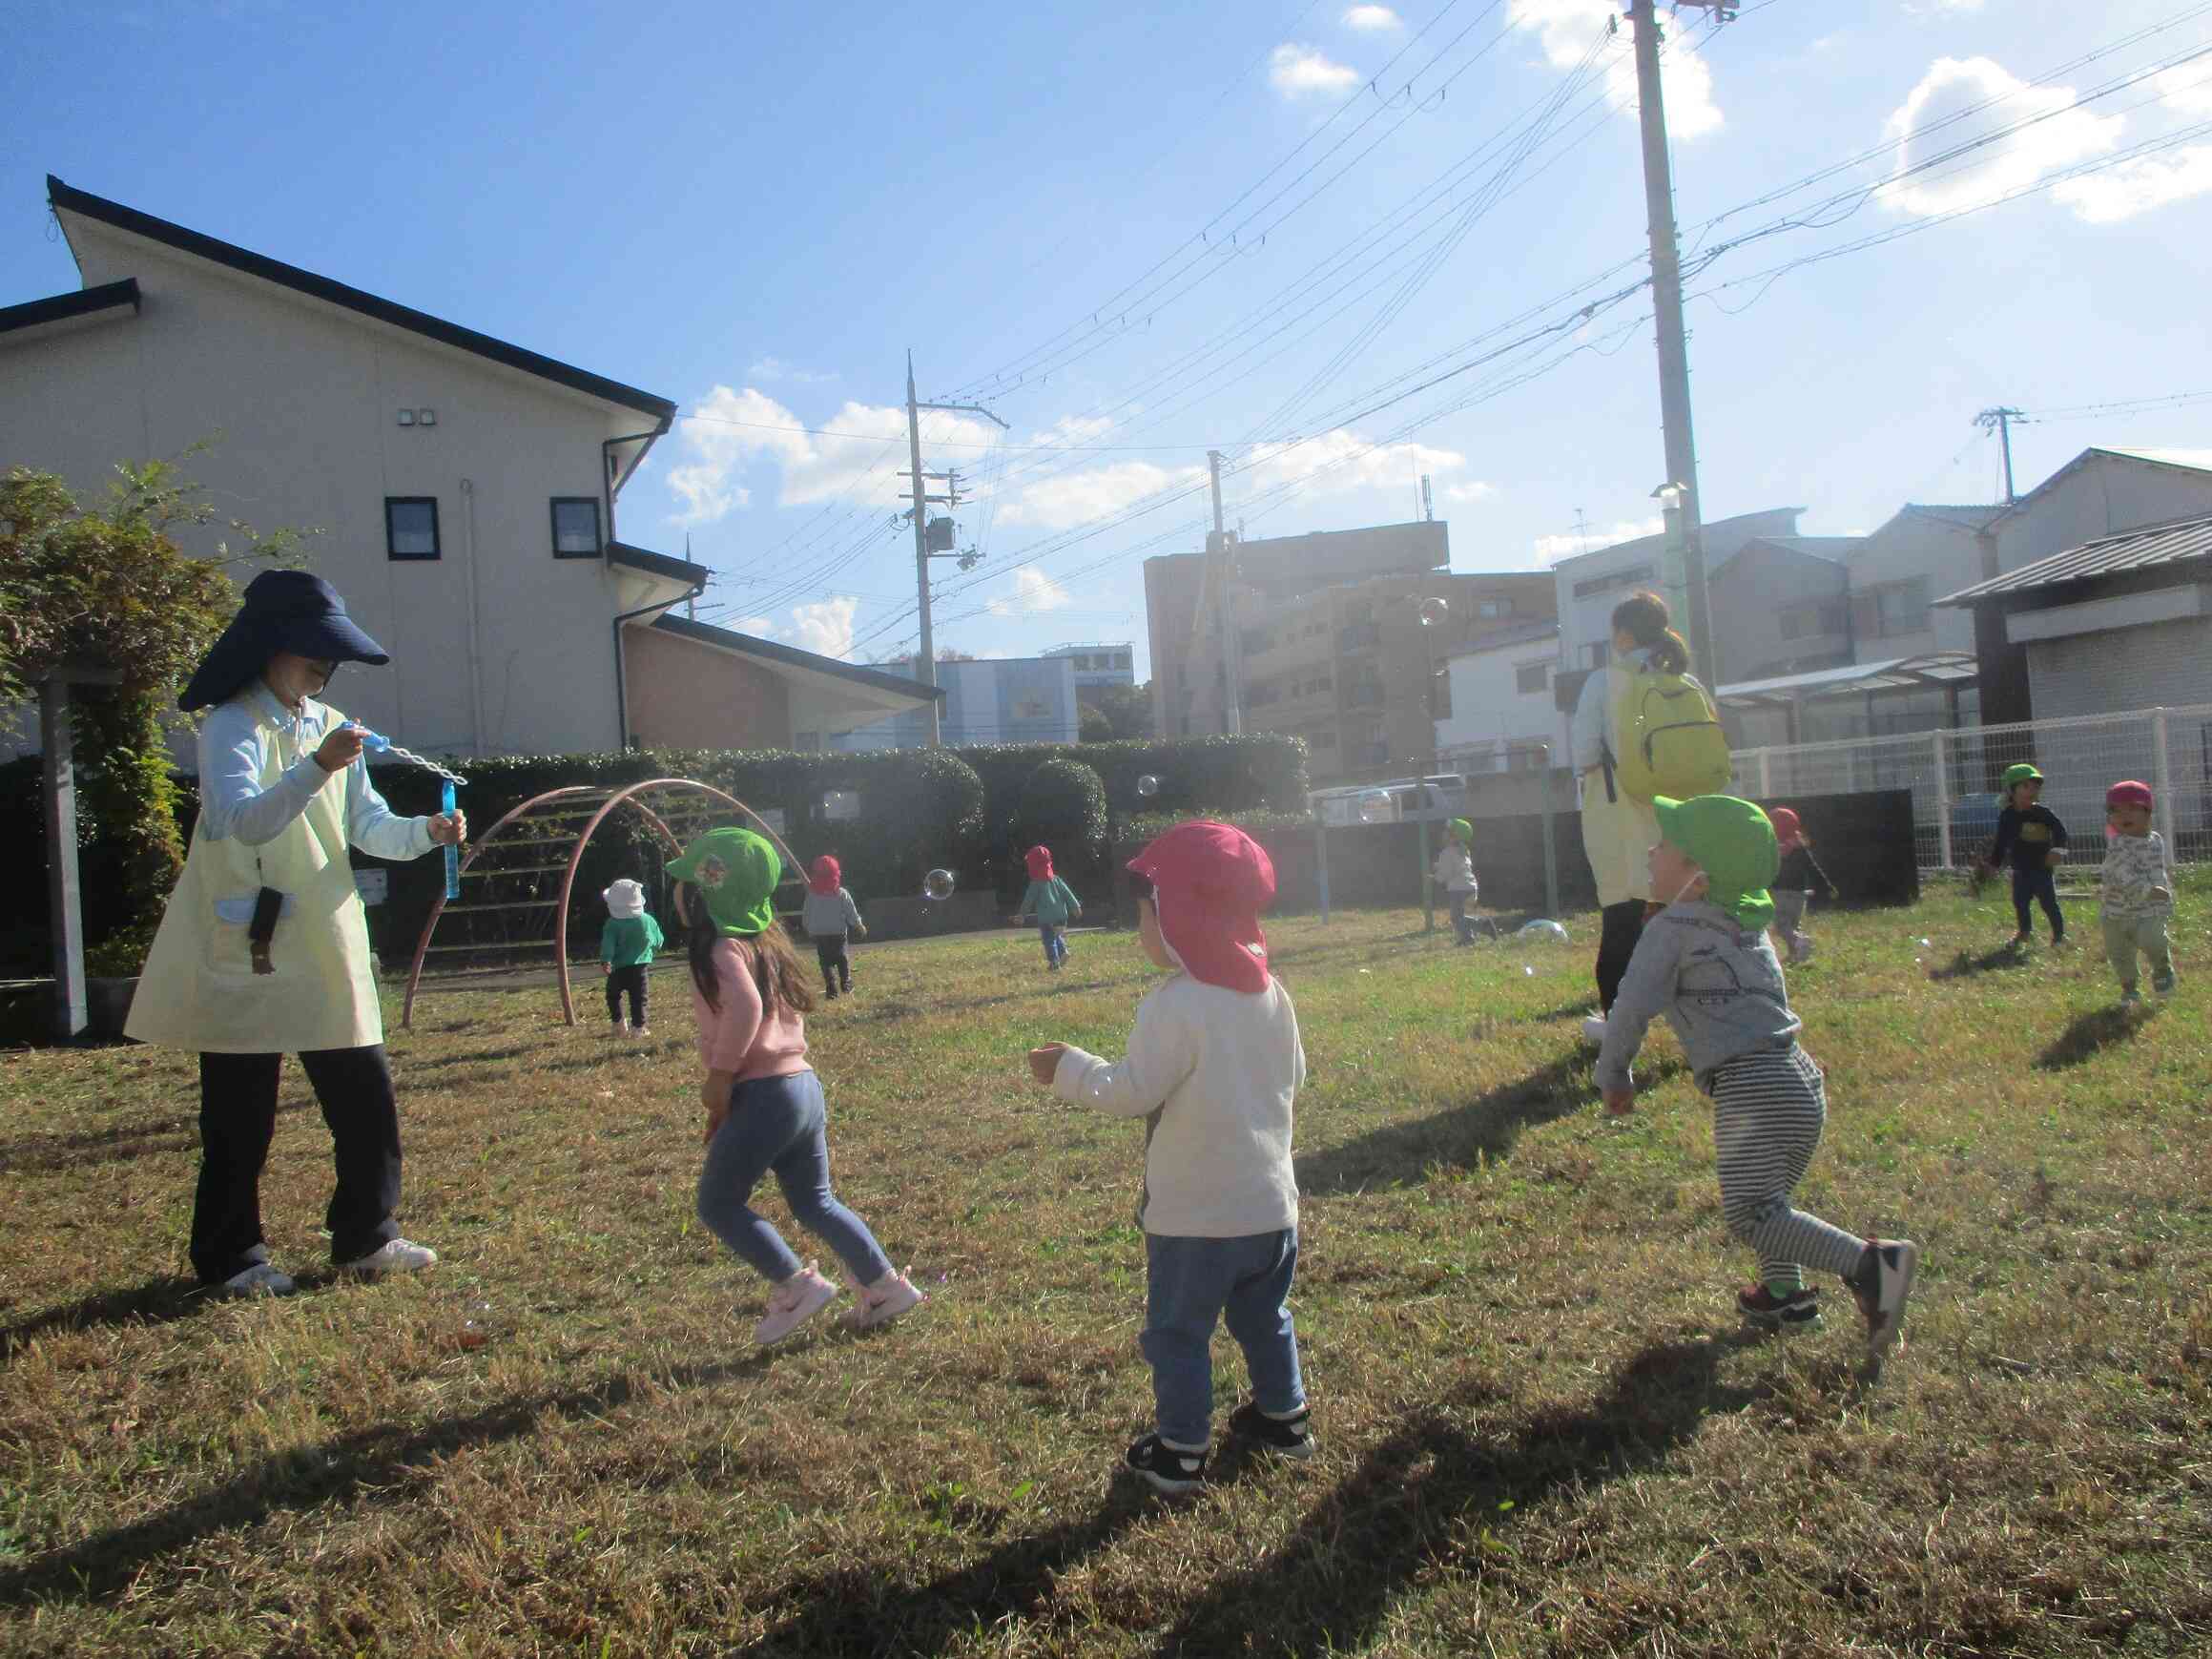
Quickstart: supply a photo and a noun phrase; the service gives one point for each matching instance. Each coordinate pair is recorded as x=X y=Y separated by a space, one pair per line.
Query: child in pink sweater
x=764 y=1104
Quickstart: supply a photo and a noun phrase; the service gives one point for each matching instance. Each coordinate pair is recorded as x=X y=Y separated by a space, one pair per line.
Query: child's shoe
x=1798 y=1310
x=641 y=1030
x=1290 y=1437
x=1882 y=1284
x=2163 y=983
x=881 y=1303
x=791 y=1303
x=2130 y=997
x=1163 y=1468
x=619 y=1029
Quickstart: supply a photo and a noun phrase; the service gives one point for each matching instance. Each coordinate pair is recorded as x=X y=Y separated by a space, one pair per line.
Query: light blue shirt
x=234 y=752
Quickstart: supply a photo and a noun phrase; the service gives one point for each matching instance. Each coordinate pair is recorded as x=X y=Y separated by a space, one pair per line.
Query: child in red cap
x=1052 y=904
x=1213 y=1065
x=2139 y=890
x=828 y=915
x=1799 y=880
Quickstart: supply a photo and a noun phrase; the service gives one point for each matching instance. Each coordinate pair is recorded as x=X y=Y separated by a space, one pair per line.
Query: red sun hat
x=2129 y=793
x=825 y=876
x=1787 y=831
x=1210 y=883
x=1040 y=861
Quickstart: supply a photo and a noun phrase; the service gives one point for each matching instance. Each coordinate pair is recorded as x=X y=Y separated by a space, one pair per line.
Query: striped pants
x=1769 y=1110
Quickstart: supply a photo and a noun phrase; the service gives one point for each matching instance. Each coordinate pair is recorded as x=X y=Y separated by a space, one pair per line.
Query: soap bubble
x=1433 y=612
x=1374 y=807
x=1545 y=930
x=1148 y=786
x=937 y=884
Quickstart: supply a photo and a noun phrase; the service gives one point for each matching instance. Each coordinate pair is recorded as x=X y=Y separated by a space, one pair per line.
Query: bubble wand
x=377 y=743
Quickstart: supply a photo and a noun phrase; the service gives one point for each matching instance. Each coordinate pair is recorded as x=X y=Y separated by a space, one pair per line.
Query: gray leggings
x=1769 y=1110
x=781 y=1124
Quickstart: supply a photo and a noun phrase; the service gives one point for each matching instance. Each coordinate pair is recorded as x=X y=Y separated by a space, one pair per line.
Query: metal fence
x=1953 y=778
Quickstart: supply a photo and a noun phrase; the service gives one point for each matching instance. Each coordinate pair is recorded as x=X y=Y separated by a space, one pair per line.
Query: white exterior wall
x=2107 y=494
x=304 y=397
x=1487 y=709
x=2166 y=663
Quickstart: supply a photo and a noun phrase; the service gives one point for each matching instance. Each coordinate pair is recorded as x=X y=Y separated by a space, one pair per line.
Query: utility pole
x=1223 y=609
x=1682 y=466
x=2002 y=419
x=921 y=499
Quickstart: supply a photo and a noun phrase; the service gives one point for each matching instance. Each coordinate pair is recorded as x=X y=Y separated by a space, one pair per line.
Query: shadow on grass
x=383 y=1463
x=1965 y=965
x=866 y=1611
x=1412 y=1501
x=1480 y=1129
x=50 y=1153
x=2087 y=1034
x=159 y=1301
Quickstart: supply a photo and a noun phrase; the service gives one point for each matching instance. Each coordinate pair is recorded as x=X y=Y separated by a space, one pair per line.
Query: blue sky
x=1281 y=214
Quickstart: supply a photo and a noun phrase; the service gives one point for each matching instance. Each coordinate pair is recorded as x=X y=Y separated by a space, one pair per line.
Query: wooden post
x=64 y=907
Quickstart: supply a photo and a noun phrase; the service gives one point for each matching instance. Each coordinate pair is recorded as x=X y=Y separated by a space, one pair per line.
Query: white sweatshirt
x=1217 y=1070
x=2133 y=865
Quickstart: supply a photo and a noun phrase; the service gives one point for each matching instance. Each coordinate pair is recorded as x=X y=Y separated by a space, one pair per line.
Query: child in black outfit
x=1799 y=880
x=2037 y=842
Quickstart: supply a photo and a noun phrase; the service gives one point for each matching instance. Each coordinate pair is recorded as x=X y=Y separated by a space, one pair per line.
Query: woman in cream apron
x=283 y=791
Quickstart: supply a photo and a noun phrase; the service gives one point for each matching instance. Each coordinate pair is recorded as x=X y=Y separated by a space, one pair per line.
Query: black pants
x=632 y=980
x=237 y=1118
x=831 y=954
x=2037 y=886
x=1623 y=926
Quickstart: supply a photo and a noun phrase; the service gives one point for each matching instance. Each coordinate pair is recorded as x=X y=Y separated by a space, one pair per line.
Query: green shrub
x=1064 y=805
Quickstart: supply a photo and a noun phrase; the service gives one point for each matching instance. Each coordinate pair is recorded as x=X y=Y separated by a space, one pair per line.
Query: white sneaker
x=393 y=1255
x=1594 y=1029
x=618 y=1030
x=257 y=1280
x=881 y=1303
x=791 y=1303
x=641 y=1030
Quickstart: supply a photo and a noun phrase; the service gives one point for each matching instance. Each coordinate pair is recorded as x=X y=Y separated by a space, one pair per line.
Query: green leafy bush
x=1062 y=805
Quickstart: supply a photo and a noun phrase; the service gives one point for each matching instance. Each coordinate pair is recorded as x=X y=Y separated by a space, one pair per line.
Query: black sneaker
x=1289 y=1436
x=1882 y=1284
x=1799 y=1310
x=1165 y=1468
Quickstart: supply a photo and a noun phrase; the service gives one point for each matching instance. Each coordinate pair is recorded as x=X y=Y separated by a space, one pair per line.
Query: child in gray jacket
x=828 y=915
x=1705 y=962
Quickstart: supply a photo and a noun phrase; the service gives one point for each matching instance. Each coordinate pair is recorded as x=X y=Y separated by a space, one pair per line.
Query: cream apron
x=1617 y=834
x=199 y=990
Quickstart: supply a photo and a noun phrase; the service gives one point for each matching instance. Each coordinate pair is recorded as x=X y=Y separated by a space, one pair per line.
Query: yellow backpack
x=1667 y=736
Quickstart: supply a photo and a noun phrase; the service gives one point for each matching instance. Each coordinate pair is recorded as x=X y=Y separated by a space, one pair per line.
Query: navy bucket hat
x=295 y=611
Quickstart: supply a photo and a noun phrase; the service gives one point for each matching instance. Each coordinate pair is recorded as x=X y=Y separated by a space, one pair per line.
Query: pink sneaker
x=881 y=1303
x=791 y=1303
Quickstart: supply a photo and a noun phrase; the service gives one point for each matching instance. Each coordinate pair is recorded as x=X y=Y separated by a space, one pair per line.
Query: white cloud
x=1297 y=69
x=774 y=368
x=2066 y=137
x=1372 y=18
x=1474 y=489
x=2187 y=91
x=762 y=626
x=857 y=453
x=1567 y=29
x=2139 y=185
x=1551 y=549
x=1094 y=493
x=824 y=626
x=1033 y=591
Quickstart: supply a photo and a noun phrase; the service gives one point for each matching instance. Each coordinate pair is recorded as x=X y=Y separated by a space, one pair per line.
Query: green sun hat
x=1464 y=830
x=1733 y=843
x=2019 y=771
x=737 y=873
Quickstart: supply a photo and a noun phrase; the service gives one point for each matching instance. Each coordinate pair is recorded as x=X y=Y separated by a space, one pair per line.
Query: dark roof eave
x=654 y=564
x=60 y=307
x=749 y=644
x=515 y=357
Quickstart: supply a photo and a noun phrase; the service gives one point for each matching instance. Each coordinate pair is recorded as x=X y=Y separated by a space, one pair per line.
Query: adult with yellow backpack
x=1642 y=727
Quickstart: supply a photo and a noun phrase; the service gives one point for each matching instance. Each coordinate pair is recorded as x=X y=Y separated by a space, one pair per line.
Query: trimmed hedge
x=1064 y=806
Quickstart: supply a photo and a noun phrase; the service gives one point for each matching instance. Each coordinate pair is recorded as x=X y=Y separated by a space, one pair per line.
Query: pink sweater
x=739 y=1037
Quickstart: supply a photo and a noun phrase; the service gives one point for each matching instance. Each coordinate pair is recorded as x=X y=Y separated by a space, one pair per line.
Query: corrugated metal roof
x=1934 y=668
x=2173 y=542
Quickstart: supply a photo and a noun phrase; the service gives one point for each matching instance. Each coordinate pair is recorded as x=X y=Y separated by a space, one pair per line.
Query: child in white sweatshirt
x=1213 y=1065
x=2139 y=891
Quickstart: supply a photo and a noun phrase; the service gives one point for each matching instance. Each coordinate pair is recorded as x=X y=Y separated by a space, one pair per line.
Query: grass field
x=1541 y=1429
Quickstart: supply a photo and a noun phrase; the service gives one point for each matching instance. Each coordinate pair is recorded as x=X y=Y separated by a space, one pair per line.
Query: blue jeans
x=779 y=1123
x=1191 y=1283
x=1055 y=946
x=2032 y=886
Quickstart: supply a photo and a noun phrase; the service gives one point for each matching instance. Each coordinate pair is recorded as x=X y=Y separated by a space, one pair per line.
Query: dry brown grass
x=1542 y=1430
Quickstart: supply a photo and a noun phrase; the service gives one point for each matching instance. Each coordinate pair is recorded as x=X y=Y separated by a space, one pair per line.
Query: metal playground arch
x=515 y=863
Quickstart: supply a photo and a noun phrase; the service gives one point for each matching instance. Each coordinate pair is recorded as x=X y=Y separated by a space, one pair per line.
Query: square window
x=411 y=527
x=1596 y=656
x=1530 y=676
x=575 y=526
